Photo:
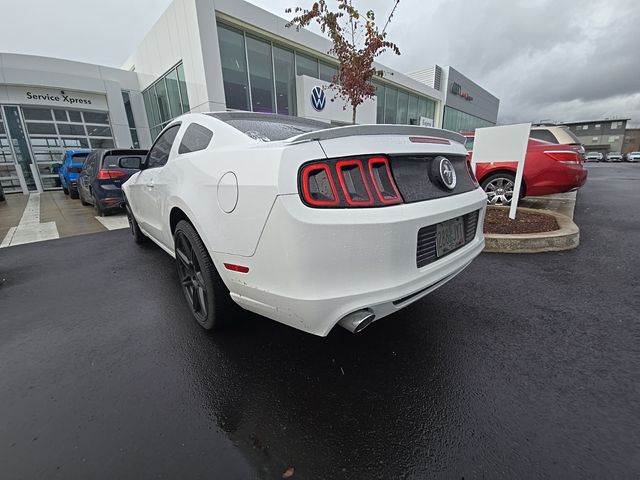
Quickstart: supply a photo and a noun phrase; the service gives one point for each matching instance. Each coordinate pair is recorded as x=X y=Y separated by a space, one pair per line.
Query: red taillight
x=109 y=174
x=74 y=169
x=318 y=187
x=383 y=181
x=563 y=156
x=363 y=182
x=470 y=170
x=353 y=183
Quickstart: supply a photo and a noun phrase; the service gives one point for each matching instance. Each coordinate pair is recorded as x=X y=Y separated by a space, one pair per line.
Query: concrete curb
x=567 y=238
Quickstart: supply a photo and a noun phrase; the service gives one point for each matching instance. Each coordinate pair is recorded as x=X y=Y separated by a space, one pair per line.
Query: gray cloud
x=544 y=59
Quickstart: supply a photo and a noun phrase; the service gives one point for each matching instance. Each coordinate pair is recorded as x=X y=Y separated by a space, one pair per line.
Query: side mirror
x=132 y=163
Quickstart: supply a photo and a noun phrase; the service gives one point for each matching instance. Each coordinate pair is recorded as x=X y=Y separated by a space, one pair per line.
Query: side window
x=544 y=135
x=159 y=153
x=195 y=138
x=469 y=143
x=90 y=163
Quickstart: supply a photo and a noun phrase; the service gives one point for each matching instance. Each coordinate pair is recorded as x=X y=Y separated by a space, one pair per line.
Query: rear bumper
x=312 y=267
x=559 y=178
x=110 y=199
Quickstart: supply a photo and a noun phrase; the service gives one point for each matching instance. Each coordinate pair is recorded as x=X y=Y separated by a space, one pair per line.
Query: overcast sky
x=545 y=59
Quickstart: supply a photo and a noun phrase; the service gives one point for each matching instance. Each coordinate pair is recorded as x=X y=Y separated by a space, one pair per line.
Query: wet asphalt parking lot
x=524 y=366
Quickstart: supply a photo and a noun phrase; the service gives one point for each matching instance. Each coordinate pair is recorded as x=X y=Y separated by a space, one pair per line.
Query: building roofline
x=602 y=120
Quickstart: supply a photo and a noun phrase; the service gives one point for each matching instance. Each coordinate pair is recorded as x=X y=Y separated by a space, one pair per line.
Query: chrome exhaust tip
x=357 y=321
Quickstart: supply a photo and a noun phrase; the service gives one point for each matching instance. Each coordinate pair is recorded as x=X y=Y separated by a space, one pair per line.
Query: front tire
x=499 y=188
x=204 y=290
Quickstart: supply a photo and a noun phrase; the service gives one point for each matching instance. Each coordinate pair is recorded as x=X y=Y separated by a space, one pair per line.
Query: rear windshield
x=79 y=157
x=572 y=135
x=111 y=161
x=269 y=127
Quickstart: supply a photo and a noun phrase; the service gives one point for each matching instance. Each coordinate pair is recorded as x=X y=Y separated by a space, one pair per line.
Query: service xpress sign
x=56 y=98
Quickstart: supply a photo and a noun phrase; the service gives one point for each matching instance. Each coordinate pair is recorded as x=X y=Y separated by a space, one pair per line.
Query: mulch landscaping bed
x=497 y=221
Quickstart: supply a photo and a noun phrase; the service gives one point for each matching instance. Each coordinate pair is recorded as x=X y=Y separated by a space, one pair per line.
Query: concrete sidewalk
x=564 y=203
x=50 y=215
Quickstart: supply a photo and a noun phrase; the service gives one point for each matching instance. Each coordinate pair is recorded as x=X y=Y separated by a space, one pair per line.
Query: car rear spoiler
x=356 y=130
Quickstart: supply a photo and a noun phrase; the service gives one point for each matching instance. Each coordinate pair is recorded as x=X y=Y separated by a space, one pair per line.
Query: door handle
x=150 y=184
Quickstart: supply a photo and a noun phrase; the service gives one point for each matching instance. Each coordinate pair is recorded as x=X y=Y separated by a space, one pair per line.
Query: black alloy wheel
x=137 y=234
x=204 y=290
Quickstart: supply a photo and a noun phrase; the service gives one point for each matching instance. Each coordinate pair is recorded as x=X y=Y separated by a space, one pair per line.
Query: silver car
x=614 y=157
x=633 y=157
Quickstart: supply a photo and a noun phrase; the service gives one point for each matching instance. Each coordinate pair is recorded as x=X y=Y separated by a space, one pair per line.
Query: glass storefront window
x=260 y=75
x=462 y=122
x=173 y=93
x=412 y=115
x=41 y=128
x=327 y=72
x=182 y=85
x=379 y=102
x=60 y=115
x=390 y=105
x=283 y=62
x=75 y=143
x=95 y=131
x=234 y=68
x=163 y=101
x=306 y=66
x=96 y=117
x=71 y=129
x=74 y=116
x=403 y=105
x=102 y=143
x=34 y=113
x=270 y=63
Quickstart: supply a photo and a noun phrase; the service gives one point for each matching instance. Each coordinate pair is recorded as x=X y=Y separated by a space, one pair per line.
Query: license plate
x=449 y=236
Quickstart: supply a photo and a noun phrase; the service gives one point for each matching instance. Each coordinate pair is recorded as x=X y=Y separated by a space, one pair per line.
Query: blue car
x=72 y=161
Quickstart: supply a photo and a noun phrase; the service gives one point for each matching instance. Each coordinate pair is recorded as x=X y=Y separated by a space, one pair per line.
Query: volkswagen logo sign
x=318 y=99
x=443 y=170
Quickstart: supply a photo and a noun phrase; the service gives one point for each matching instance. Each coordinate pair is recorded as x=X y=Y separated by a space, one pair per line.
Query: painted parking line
x=30 y=229
x=114 y=222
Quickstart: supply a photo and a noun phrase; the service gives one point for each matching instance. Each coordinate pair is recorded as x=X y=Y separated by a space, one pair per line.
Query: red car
x=548 y=168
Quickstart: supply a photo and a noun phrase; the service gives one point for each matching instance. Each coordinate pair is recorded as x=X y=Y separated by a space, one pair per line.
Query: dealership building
x=466 y=105
x=200 y=56
x=604 y=135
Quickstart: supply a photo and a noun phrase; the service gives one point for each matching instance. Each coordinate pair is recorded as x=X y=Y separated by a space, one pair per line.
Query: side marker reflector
x=236 y=268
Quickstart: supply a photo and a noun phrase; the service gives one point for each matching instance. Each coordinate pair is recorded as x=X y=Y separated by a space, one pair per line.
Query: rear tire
x=204 y=290
x=137 y=234
x=73 y=193
x=97 y=207
x=82 y=200
x=65 y=190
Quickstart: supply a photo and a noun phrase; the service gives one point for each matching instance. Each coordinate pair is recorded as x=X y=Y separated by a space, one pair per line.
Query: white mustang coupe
x=307 y=225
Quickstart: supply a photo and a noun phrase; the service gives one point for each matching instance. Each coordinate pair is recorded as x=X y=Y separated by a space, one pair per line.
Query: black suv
x=103 y=173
